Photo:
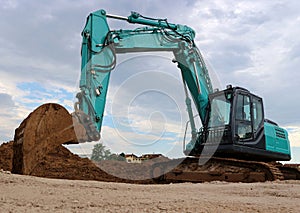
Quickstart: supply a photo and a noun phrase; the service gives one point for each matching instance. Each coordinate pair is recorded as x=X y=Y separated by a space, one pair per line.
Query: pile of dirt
x=6 y=155
x=61 y=163
x=131 y=171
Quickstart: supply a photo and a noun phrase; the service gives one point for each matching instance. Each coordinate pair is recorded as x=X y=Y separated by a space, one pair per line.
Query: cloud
x=6 y=101
x=8 y=117
x=254 y=44
x=247 y=46
x=8 y=4
x=295 y=154
x=294 y=134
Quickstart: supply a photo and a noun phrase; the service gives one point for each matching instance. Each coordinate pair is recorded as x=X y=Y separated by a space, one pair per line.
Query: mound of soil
x=130 y=171
x=61 y=163
x=6 y=155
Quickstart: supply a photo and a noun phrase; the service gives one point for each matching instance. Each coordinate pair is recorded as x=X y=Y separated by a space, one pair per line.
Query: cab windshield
x=219 y=114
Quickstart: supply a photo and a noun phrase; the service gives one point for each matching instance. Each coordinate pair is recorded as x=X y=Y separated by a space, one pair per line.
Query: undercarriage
x=222 y=169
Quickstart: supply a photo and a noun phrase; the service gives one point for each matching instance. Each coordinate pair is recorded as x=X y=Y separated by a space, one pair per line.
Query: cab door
x=243 y=118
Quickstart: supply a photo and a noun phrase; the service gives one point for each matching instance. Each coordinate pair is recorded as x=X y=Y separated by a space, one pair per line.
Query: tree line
x=100 y=152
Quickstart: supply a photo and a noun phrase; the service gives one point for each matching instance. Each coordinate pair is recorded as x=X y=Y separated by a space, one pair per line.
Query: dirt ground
x=34 y=194
x=81 y=193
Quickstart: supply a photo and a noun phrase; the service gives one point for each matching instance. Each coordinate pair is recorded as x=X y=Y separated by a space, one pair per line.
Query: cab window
x=243 y=117
x=243 y=108
x=257 y=113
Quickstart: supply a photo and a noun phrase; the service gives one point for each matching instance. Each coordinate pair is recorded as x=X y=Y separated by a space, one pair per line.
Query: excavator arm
x=101 y=45
x=50 y=125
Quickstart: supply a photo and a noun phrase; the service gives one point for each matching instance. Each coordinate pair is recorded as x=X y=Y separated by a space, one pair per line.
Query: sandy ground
x=33 y=194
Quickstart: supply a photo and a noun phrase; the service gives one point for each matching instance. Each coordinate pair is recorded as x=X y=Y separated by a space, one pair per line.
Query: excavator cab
x=235 y=127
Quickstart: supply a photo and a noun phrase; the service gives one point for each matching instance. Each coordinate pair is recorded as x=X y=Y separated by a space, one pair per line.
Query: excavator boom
x=101 y=45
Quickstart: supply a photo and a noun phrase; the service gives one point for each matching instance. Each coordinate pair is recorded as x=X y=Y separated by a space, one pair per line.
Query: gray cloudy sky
x=254 y=44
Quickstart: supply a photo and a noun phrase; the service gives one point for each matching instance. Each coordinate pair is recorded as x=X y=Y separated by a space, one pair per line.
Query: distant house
x=151 y=156
x=132 y=158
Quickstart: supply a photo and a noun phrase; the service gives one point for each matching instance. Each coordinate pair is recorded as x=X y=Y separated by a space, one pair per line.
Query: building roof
x=131 y=155
x=151 y=156
x=144 y=156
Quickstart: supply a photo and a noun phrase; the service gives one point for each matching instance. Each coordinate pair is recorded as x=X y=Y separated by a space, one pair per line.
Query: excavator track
x=221 y=169
x=291 y=171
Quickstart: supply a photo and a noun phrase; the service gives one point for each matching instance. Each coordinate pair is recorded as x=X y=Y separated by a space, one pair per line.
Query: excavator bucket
x=47 y=127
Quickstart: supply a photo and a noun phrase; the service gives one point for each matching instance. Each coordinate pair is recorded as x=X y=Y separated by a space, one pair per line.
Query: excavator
x=235 y=142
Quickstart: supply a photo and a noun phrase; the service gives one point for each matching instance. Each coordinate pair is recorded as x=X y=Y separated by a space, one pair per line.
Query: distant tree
x=120 y=157
x=100 y=152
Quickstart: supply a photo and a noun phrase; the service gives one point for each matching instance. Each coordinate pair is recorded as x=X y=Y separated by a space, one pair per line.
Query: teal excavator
x=234 y=131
